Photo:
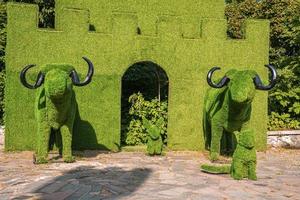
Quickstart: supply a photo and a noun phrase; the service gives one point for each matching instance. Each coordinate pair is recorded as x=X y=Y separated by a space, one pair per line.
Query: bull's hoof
x=214 y=156
x=40 y=161
x=69 y=159
x=253 y=177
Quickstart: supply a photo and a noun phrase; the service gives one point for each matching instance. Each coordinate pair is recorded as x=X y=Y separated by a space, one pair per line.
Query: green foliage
x=55 y=108
x=154 y=143
x=228 y=109
x=185 y=38
x=284 y=16
x=46 y=11
x=244 y=158
x=282 y=122
x=46 y=19
x=150 y=80
x=243 y=163
x=216 y=169
x=140 y=108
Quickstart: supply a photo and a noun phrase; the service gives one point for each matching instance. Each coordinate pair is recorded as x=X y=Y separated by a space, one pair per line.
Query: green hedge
x=186 y=45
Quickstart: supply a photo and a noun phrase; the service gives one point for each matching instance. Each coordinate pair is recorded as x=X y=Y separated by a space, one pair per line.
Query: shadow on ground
x=86 y=182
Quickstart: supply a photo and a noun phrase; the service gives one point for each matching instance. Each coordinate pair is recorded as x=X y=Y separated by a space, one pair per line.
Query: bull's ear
x=231 y=73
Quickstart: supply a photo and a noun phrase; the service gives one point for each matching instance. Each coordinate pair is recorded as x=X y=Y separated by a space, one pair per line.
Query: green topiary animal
x=243 y=161
x=55 y=106
x=228 y=108
x=154 y=142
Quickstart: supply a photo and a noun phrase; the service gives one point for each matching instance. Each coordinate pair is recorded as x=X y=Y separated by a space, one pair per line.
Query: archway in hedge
x=145 y=88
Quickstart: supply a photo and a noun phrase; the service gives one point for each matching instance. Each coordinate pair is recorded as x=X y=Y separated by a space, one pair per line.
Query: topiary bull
x=55 y=105
x=228 y=108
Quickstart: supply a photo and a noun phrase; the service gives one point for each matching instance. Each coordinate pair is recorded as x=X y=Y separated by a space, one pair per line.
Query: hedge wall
x=186 y=38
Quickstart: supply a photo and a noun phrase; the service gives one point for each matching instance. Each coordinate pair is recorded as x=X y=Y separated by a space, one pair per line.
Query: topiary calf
x=228 y=108
x=154 y=142
x=55 y=105
x=243 y=163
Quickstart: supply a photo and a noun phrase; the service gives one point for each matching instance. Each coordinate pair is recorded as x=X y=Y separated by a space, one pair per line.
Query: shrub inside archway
x=144 y=94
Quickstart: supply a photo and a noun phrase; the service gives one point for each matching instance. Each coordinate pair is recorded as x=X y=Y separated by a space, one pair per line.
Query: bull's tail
x=216 y=169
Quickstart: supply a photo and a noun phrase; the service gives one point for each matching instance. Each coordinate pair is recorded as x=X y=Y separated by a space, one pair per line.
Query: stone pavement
x=133 y=175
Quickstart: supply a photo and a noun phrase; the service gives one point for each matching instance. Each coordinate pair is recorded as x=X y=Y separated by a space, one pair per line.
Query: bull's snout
x=242 y=91
x=56 y=84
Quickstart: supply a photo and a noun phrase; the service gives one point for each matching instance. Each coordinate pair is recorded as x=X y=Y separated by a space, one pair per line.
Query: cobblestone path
x=128 y=175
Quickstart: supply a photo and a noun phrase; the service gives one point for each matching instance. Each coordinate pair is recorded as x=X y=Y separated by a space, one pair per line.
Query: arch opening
x=145 y=88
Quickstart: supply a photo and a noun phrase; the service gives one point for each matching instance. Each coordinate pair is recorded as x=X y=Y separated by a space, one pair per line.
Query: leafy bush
x=284 y=16
x=135 y=133
x=282 y=121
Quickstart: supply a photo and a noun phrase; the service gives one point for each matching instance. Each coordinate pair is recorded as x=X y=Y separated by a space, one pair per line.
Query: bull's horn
x=258 y=83
x=224 y=81
x=88 y=79
x=39 y=80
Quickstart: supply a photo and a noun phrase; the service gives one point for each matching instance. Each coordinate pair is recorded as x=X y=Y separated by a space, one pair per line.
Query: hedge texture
x=185 y=37
x=243 y=163
x=55 y=109
x=227 y=110
x=154 y=140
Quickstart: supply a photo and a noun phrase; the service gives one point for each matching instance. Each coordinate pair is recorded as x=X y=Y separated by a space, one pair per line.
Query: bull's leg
x=216 y=131
x=66 y=133
x=231 y=143
x=58 y=142
x=44 y=131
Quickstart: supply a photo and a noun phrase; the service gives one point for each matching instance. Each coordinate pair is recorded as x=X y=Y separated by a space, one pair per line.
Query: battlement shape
x=146 y=10
x=72 y=18
x=186 y=38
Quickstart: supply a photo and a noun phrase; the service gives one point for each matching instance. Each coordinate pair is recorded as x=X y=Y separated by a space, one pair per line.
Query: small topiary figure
x=55 y=106
x=228 y=108
x=243 y=163
x=154 y=143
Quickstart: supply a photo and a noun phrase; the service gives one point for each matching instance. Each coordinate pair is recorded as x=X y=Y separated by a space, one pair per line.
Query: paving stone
x=130 y=175
x=57 y=195
x=174 y=191
x=53 y=187
x=83 y=189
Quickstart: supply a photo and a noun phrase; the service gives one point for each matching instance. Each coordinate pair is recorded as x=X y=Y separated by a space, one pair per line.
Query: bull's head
x=242 y=84
x=57 y=80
